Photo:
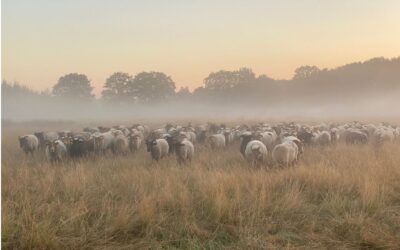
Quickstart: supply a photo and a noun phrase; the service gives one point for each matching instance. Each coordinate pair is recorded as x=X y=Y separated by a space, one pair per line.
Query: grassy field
x=343 y=197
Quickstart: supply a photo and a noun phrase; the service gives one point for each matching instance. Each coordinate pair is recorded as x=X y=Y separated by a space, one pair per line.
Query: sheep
x=171 y=140
x=172 y=131
x=158 y=133
x=305 y=136
x=245 y=138
x=184 y=150
x=55 y=151
x=236 y=134
x=124 y=130
x=322 y=127
x=135 y=140
x=323 y=138
x=216 y=141
x=67 y=140
x=256 y=152
x=84 y=135
x=297 y=141
x=189 y=128
x=383 y=134
x=355 y=136
x=286 y=153
x=158 y=148
x=397 y=133
x=168 y=126
x=334 y=135
x=120 y=145
x=201 y=135
x=45 y=137
x=213 y=128
x=137 y=132
x=191 y=136
x=370 y=128
x=144 y=129
x=269 y=139
x=116 y=132
x=78 y=147
x=28 y=143
x=103 y=142
x=342 y=133
x=81 y=144
x=228 y=137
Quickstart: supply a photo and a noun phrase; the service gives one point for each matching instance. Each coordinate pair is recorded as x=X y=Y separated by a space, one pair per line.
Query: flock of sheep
x=261 y=144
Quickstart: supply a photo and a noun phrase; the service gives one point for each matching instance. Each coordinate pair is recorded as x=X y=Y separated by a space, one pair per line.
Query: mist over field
x=356 y=90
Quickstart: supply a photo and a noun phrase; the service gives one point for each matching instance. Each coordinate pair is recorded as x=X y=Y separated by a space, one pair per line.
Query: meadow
x=337 y=197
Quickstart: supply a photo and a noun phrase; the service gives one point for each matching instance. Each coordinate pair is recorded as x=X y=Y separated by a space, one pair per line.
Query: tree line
x=309 y=84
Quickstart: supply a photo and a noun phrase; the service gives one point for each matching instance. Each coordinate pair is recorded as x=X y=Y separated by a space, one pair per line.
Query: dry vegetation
x=337 y=197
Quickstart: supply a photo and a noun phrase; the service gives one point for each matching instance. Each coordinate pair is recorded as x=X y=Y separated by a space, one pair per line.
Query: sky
x=45 y=39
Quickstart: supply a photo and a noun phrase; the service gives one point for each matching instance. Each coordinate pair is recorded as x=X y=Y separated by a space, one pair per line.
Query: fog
x=382 y=107
x=361 y=90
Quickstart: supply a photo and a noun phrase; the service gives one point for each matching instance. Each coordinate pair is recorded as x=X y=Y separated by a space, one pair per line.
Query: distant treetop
x=73 y=86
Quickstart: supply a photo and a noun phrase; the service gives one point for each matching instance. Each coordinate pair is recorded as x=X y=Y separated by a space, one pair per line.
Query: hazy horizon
x=43 y=40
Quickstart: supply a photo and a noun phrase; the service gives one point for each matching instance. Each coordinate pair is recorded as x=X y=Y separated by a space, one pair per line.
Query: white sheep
x=256 y=152
x=56 y=151
x=191 y=136
x=158 y=148
x=269 y=139
x=184 y=151
x=286 y=153
x=383 y=134
x=28 y=143
x=217 y=141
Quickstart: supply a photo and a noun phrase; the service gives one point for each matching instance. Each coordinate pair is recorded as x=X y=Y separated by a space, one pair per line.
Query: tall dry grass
x=337 y=198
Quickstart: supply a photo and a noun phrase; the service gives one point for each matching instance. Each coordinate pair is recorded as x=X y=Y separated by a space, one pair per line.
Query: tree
x=305 y=72
x=224 y=80
x=264 y=78
x=116 y=88
x=19 y=91
x=73 y=86
x=183 y=93
x=151 y=87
